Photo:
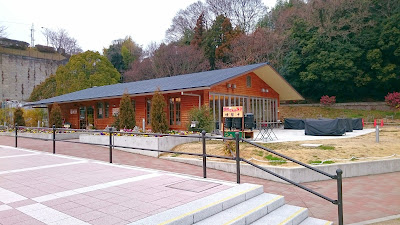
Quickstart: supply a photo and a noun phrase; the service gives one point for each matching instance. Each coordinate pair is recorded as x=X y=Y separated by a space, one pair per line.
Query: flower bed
x=42 y=133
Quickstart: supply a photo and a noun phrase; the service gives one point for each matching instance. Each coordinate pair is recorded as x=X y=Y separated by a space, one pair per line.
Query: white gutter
x=190 y=94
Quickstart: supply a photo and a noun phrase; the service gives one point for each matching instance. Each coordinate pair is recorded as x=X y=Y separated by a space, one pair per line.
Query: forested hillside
x=346 y=48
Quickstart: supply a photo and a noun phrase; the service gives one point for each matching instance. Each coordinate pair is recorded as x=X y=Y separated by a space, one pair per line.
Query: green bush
x=159 y=123
x=126 y=115
x=55 y=117
x=204 y=118
x=19 y=117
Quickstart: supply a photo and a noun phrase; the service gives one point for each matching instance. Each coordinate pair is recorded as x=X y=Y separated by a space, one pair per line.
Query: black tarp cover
x=346 y=123
x=324 y=127
x=294 y=123
x=357 y=123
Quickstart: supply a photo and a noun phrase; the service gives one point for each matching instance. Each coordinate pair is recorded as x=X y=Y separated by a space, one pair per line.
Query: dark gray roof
x=180 y=82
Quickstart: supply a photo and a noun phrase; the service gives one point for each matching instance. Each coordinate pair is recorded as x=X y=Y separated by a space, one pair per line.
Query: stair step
x=200 y=209
x=286 y=214
x=314 y=221
x=246 y=212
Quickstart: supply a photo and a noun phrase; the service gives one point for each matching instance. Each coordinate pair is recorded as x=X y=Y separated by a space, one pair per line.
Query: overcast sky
x=95 y=24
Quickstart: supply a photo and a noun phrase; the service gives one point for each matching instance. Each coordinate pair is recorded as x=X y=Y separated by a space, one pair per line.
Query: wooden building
x=258 y=88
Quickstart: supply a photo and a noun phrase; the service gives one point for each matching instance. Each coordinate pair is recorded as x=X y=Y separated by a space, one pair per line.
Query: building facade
x=258 y=88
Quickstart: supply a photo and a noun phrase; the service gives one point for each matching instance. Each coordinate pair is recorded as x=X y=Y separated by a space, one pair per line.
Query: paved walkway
x=365 y=198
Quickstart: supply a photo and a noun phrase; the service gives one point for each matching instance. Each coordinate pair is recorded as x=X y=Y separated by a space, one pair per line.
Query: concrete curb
x=301 y=174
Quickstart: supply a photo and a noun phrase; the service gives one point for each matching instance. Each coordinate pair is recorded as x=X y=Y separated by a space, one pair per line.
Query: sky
x=95 y=24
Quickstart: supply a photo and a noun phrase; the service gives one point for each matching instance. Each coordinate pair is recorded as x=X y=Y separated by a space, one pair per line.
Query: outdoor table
x=267 y=131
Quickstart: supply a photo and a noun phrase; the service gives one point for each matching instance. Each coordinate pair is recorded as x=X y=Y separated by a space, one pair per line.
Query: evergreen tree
x=55 y=117
x=19 y=117
x=127 y=118
x=198 y=32
x=159 y=121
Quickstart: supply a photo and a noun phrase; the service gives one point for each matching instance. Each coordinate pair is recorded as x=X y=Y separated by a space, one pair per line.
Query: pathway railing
x=204 y=155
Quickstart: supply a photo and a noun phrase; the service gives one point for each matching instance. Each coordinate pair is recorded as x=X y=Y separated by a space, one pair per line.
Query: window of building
x=248 y=81
x=134 y=105
x=148 y=109
x=100 y=110
x=175 y=111
x=106 y=110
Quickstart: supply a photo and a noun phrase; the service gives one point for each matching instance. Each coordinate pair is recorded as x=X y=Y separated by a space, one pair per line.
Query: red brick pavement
x=365 y=198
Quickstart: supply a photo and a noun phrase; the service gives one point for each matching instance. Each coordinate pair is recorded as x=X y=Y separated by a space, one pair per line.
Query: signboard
x=233 y=111
x=115 y=111
x=73 y=111
x=232 y=134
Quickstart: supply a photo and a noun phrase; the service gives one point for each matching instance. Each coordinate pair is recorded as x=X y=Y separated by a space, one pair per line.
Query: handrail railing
x=204 y=155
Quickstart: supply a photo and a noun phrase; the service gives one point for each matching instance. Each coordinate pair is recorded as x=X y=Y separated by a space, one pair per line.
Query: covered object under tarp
x=324 y=127
x=346 y=123
x=357 y=123
x=294 y=123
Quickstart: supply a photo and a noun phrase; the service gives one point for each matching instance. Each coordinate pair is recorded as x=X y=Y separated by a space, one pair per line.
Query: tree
x=199 y=32
x=84 y=70
x=169 y=60
x=19 y=117
x=204 y=118
x=3 y=31
x=185 y=20
x=159 y=123
x=55 y=117
x=126 y=115
x=122 y=53
x=46 y=89
x=33 y=116
x=60 y=39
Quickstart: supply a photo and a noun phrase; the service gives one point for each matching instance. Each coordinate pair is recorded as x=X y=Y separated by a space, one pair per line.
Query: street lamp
x=46 y=33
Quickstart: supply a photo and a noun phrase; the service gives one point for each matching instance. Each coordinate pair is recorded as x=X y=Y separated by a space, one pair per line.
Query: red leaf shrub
x=393 y=100
x=326 y=100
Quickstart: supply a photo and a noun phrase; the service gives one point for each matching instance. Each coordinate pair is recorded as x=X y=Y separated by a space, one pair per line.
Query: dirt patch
x=345 y=150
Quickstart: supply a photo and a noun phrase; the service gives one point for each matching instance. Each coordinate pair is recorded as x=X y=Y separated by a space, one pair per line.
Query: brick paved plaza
x=74 y=190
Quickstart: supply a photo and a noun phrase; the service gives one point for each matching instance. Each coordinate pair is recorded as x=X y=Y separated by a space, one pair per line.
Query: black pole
x=54 y=139
x=237 y=158
x=16 y=134
x=203 y=138
x=110 y=129
x=340 y=196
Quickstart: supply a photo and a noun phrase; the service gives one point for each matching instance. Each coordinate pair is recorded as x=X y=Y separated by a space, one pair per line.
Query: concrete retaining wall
x=301 y=174
x=61 y=136
x=158 y=143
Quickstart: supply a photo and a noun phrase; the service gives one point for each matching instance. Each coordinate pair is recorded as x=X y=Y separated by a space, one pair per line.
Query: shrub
x=32 y=116
x=204 y=118
x=159 y=123
x=19 y=117
x=393 y=100
x=6 y=116
x=230 y=148
x=327 y=101
x=126 y=115
x=55 y=117
x=116 y=122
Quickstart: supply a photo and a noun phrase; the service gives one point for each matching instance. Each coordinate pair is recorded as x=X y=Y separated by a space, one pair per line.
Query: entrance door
x=90 y=117
x=82 y=117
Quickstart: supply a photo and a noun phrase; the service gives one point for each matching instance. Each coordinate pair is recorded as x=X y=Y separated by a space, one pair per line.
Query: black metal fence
x=204 y=155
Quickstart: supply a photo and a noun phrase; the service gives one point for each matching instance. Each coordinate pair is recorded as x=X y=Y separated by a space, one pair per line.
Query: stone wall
x=21 y=71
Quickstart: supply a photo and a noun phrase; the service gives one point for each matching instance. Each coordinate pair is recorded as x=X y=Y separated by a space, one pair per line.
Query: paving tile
x=92 y=215
x=107 y=220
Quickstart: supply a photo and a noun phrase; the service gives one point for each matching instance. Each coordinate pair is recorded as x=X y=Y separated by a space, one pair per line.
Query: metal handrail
x=204 y=155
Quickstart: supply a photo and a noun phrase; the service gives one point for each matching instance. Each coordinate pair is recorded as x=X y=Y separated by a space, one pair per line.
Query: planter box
x=59 y=136
x=156 y=143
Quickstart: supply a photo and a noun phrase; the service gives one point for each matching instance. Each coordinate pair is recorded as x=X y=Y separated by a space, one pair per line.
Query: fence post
x=16 y=134
x=203 y=138
x=54 y=139
x=237 y=158
x=340 y=196
x=111 y=133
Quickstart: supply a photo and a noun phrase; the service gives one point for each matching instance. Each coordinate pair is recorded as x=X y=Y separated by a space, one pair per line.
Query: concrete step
x=314 y=221
x=248 y=211
x=200 y=209
x=286 y=214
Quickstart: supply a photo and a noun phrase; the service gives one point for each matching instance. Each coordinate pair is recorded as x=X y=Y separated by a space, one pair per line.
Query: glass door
x=82 y=117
